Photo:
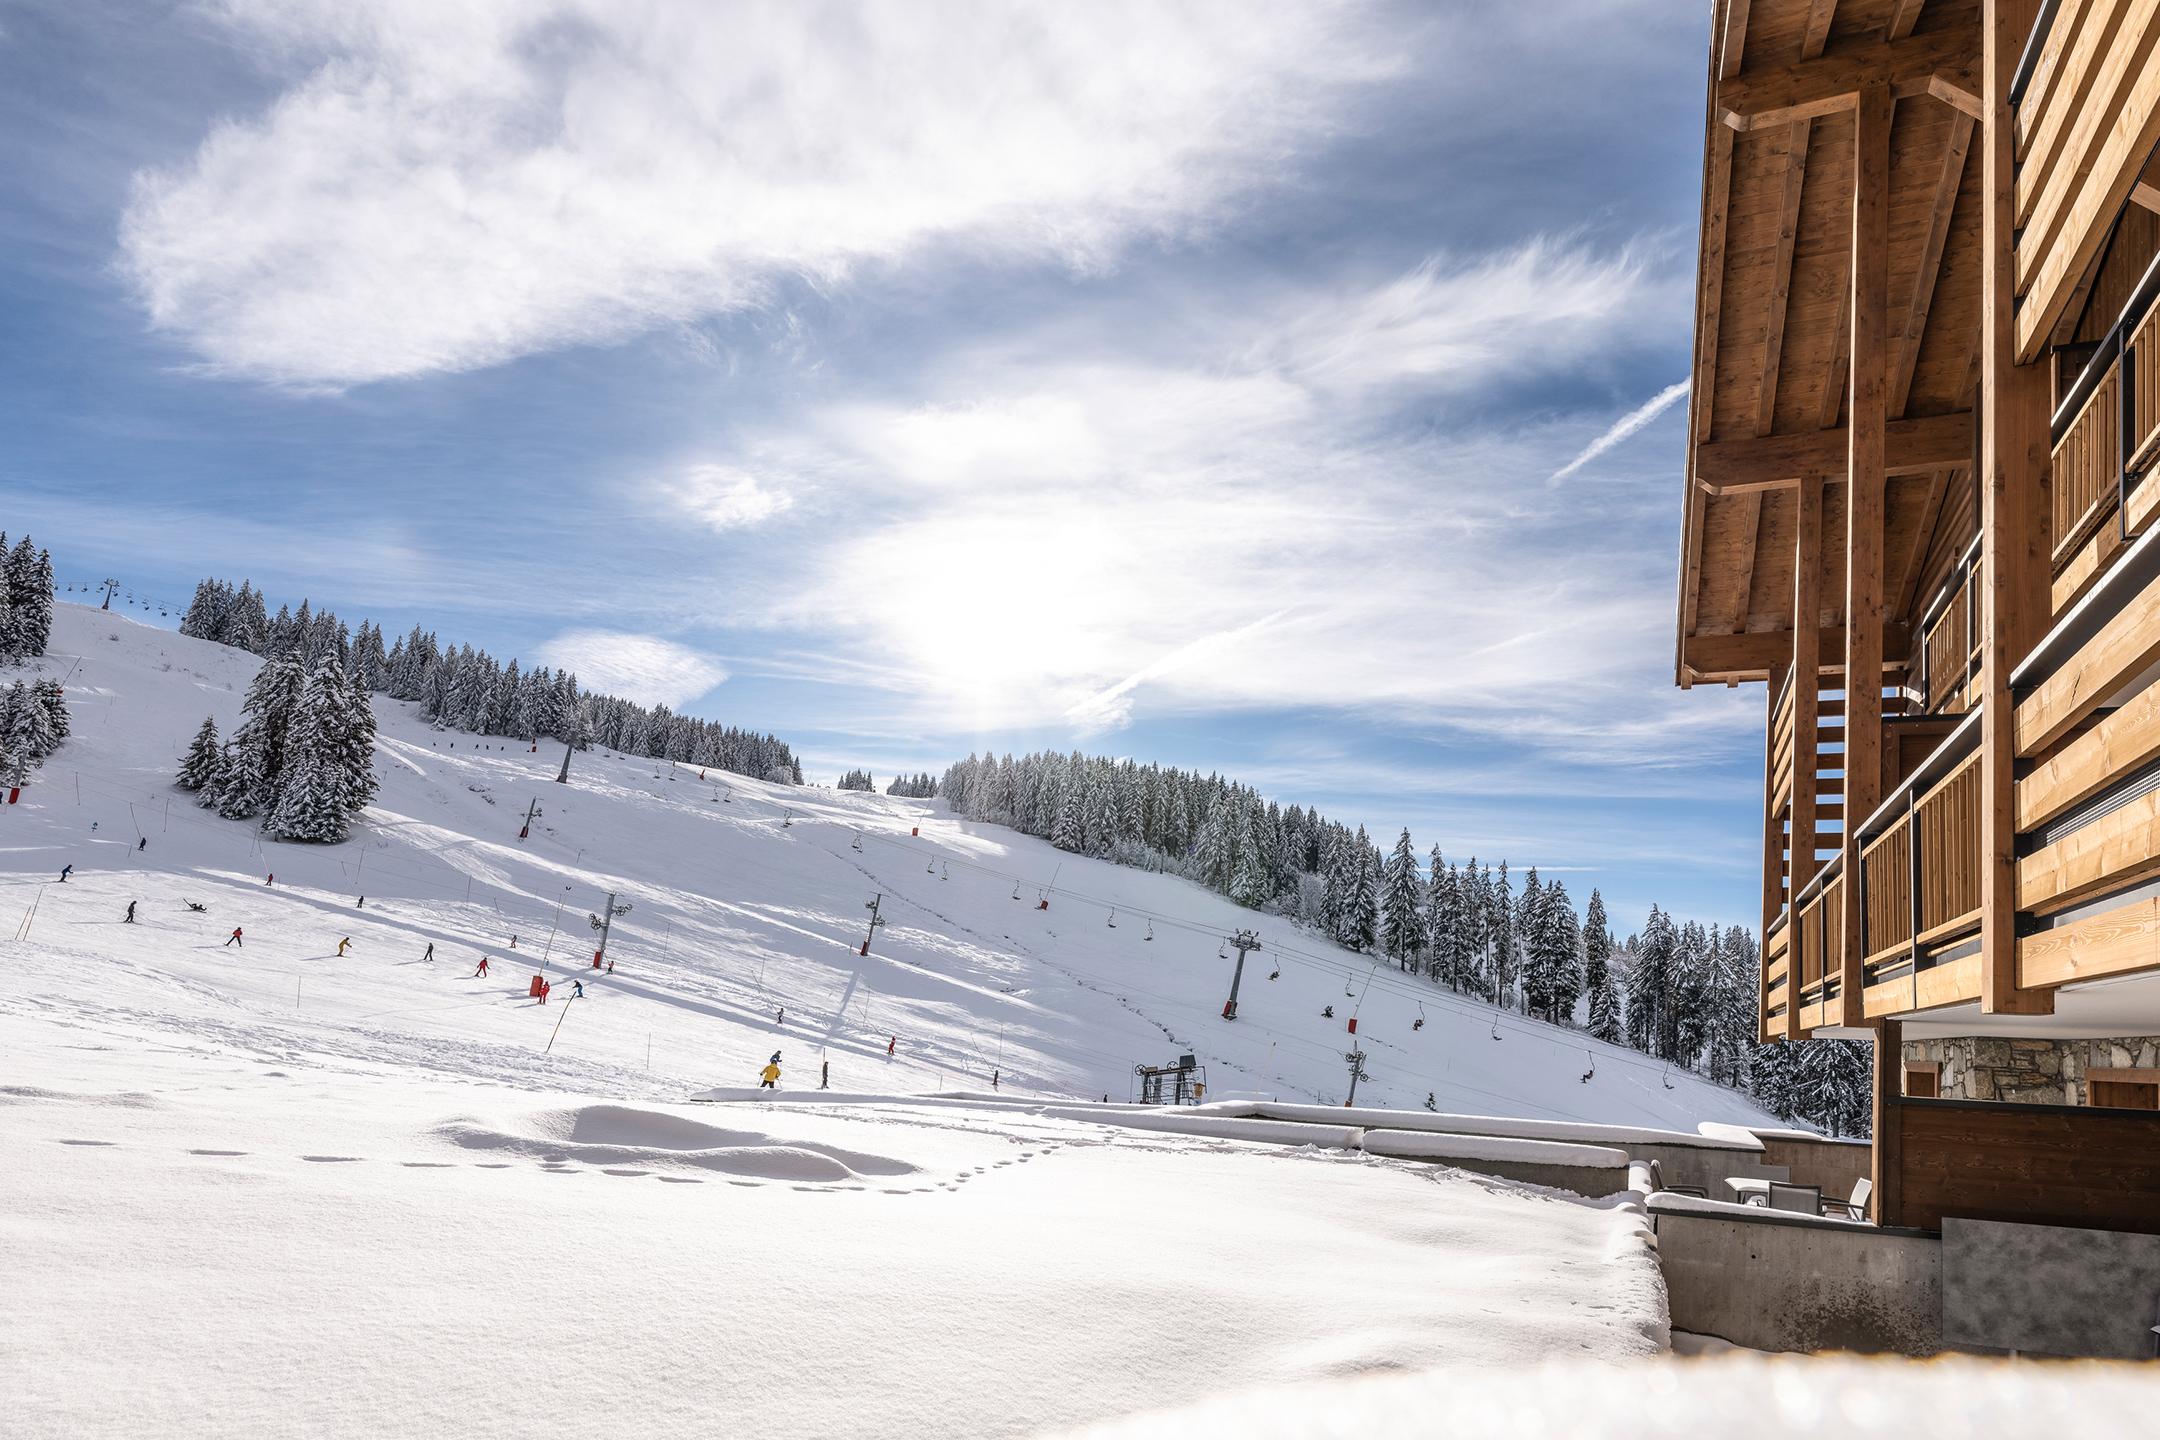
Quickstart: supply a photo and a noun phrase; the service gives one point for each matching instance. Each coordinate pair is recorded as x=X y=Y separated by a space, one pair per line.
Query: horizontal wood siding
x=2091 y=1168
x=2084 y=129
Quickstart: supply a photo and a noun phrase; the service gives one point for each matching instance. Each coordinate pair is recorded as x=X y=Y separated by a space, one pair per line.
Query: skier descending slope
x=234 y=939
x=479 y=974
x=769 y=1077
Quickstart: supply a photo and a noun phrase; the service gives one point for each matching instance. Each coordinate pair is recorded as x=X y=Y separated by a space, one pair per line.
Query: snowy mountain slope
x=748 y=900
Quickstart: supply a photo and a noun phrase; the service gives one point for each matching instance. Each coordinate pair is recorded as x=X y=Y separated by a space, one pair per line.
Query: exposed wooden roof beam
x=1833 y=396
x=1930 y=268
x=1796 y=148
x=1733 y=42
x=1773 y=462
x=2146 y=192
x=1923 y=536
x=1903 y=16
x=1817 y=34
x=1750 y=536
x=1750 y=656
x=1830 y=83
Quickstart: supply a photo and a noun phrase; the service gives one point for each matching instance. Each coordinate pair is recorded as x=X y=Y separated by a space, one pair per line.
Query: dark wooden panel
x=2038 y=1164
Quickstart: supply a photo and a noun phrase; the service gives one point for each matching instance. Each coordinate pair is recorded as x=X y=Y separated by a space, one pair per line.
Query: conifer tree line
x=913 y=787
x=459 y=688
x=1684 y=993
x=858 y=780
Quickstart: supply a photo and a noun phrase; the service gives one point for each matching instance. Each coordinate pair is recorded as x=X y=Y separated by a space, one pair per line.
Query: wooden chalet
x=1921 y=503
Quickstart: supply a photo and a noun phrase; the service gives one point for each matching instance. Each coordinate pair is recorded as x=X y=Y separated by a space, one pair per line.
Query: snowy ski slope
x=747 y=900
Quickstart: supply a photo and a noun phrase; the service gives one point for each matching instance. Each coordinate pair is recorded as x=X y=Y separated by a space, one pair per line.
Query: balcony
x=2106 y=437
x=1920 y=883
x=2087 y=101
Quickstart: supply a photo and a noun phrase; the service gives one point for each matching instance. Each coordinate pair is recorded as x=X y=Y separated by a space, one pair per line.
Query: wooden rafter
x=1923 y=537
x=1830 y=83
x=1750 y=655
x=1744 y=577
x=1930 y=267
x=2146 y=192
x=1819 y=15
x=1903 y=16
x=1777 y=462
x=1796 y=148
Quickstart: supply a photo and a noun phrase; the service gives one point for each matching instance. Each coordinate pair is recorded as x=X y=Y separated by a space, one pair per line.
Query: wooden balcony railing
x=2085 y=99
x=1818 y=926
x=2088 y=466
x=1950 y=639
x=2087 y=728
x=2144 y=368
x=1920 y=878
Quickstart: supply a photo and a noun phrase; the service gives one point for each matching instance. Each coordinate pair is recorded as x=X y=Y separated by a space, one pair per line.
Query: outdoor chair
x=1856 y=1207
x=1658 y=1185
x=1799 y=1199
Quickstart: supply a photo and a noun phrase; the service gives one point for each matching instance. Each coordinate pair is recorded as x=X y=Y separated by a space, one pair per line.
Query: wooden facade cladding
x=2086 y=122
x=2049 y=1165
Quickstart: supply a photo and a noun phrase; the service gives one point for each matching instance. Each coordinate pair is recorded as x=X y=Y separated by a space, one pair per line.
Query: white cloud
x=444 y=187
x=644 y=668
x=1625 y=427
x=1061 y=539
x=723 y=497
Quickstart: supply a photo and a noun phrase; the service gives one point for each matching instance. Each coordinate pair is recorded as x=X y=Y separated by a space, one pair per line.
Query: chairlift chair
x=1419 y=1023
x=1113 y=917
x=1016 y=892
x=1150 y=929
x=857 y=846
x=1496 y=1026
x=1222 y=951
x=944 y=871
x=1275 y=974
x=1591 y=1073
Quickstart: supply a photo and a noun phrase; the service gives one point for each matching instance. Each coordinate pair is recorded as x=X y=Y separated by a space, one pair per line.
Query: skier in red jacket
x=234 y=939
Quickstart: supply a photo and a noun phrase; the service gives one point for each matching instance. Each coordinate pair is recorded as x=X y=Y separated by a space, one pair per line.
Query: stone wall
x=2031 y=1071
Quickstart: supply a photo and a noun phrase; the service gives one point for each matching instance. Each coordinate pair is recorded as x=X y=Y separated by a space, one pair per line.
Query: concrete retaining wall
x=2050 y=1290
x=1773 y=1283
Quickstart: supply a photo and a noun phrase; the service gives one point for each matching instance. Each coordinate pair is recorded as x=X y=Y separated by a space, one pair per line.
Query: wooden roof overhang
x=1768 y=408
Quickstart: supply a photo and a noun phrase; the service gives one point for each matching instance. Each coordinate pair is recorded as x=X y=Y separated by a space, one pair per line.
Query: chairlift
x=944 y=871
x=1150 y=929
x=929 y=867
x=1419 y=1023
x=1591 y=1073
x=857 y=846
x=1113 y=917
x=1016 y=890
x=1275 y=974
x=1666 y=1076
x=1348 y=993
x=787 y=821
x=1222 y=951
x=1496 y=1025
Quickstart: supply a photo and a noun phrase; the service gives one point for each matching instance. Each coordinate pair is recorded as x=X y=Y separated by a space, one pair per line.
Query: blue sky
x=1205 y=383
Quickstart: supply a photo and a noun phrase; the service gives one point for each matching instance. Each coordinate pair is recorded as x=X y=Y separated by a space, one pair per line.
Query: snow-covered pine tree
x=1649 y=1017
x=1733 y=1007
x=49 y=694
x=14 y=768
x=351 y=746
x=1555 y=961
x=1361 y=904
x=29 y=580
x=1399 y=918
x=1249 y=885
x=312 y=803
x=244 y=787
x=1529 y=914
x=26 y=724
x=1694 y=971
x=1439 y=917
x=1213 y=855
x=1502 y=938
x=1597 y=973
x=203 y=757
x=857 y=780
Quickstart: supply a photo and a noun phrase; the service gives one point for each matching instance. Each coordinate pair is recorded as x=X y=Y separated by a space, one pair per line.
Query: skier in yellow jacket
x=769 y=1077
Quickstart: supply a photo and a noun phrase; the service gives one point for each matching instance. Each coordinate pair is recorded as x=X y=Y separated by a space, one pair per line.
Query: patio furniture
x=1748 y=1189
x=1856 y=1207
x=1799 y=1199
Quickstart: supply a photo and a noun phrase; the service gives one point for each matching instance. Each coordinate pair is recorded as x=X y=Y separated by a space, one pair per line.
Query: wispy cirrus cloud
x=646 y=668
x=446 y=187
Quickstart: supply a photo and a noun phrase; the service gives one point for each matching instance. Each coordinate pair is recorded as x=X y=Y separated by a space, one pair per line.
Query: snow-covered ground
x=268 y=1190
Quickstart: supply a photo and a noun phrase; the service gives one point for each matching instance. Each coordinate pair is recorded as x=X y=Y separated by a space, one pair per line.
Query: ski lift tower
x=1182 y=1082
